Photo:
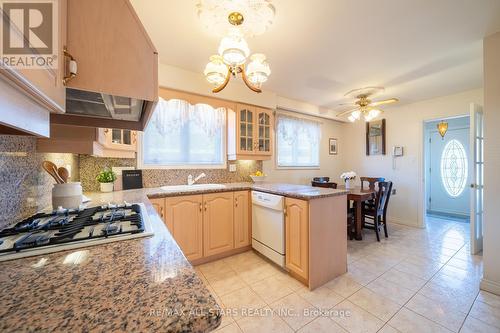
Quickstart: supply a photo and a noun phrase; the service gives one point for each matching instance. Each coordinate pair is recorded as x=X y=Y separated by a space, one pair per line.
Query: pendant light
x=442 y=128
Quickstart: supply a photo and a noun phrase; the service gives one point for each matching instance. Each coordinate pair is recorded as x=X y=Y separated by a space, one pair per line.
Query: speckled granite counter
x=141 y=285
x=290 y=190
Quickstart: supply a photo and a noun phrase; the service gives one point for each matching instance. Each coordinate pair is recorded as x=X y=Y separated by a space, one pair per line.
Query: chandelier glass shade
x=234 y=49
x=256 y=15
x=216 y=71
x=258 y=70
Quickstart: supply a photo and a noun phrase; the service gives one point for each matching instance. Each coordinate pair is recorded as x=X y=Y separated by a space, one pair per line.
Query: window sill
x=297 y=168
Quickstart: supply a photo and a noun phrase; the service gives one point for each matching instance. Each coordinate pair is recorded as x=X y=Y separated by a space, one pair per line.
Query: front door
x=449 y=177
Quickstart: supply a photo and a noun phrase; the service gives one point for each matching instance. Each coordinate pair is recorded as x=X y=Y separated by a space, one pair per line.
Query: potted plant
x=348 y=177
x=106 y=178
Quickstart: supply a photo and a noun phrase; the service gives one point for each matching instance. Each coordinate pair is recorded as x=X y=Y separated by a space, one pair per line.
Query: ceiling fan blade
x=385 y=101
x=343 y=113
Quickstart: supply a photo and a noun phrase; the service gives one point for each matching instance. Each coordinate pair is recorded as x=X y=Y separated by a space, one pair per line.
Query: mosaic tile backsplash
x=90 y=167
x=26 y=188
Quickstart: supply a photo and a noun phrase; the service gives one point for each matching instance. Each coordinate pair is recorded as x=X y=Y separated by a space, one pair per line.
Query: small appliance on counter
x=65 y=229
x=132 y=179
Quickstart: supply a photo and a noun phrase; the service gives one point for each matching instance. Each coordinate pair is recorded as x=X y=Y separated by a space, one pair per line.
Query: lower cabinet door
x=159 y=206
x=185 y=215
x=297 y=236
x=242 y=219
x=218 y=229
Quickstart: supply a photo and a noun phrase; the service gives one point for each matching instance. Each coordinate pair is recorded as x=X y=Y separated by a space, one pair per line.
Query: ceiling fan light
x=356 y=114
x=374 y=113
x=234 y=49
x=351 y=118
x=258 y=70
x=367 y=117
x=216 y=70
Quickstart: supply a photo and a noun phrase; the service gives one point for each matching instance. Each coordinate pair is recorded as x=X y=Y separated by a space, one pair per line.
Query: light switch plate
x=232 y=167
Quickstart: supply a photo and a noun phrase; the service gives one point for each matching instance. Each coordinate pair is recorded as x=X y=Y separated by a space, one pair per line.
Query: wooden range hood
x=117 y=65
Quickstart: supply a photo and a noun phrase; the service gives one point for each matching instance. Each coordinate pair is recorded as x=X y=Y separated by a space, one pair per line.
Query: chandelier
x=245 y=18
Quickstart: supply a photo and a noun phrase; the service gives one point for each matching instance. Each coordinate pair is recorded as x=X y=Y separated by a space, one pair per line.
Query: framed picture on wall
x=375 y=137
x=332 y=146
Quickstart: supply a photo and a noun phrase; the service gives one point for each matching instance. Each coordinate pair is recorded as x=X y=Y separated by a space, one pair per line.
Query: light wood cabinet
x=101 y=142
x=297 y=236
x=107 y=40
x=250 y=133
x=184 y=219
x=43 y=86
x=159 y=206
x=207 y=225
x=218 y=225
x=242 y=219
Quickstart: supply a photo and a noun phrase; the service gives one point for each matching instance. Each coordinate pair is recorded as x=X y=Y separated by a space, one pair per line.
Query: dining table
x=359 y=195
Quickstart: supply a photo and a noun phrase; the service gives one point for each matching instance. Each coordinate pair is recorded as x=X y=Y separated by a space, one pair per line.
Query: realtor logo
x=29 y=34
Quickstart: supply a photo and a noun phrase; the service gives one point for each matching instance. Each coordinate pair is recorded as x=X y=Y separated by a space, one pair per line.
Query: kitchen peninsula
x=147 y=283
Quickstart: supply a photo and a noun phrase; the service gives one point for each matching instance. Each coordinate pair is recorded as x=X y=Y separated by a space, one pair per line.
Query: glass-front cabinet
x=120 y=143
x=254 y=132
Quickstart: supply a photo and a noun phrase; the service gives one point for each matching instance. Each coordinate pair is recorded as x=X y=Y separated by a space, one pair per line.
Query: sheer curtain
x=180 y=134
x=298 y=141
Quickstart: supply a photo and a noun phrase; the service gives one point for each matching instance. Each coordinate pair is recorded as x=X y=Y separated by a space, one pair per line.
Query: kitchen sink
x=195 y=187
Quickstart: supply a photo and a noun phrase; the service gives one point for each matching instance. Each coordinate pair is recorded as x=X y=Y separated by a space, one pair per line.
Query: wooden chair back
x=382 y=198
x=371 y=181
x=321 y=179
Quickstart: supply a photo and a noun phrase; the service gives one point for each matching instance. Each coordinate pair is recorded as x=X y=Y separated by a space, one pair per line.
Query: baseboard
x=396 y=220
x=490 y=286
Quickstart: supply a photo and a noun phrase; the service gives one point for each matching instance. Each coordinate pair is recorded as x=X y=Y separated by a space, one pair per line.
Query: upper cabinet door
x=44 y=85
x=264 y=132
x=112 y=49
x=245 y=126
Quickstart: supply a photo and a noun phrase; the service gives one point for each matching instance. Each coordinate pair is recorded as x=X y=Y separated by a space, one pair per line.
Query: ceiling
x=320 y=49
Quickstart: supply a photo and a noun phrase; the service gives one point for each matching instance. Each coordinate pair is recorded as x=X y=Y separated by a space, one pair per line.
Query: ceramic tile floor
x=418 y=280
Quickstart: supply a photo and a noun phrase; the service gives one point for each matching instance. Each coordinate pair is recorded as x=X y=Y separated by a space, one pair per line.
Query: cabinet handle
x=201 y=207
x=72 y=67
x=285 y=212
x=236 y=202
x=206 y=207
x=161 y=212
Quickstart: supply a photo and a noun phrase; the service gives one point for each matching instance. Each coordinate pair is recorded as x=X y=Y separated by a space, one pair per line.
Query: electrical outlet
x=232 y=167
x=393 y=191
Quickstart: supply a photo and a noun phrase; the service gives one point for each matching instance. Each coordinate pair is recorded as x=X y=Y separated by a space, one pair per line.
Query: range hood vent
x=91 y=104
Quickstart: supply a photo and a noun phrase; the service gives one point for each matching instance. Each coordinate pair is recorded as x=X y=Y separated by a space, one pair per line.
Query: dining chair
x=371 y=181
x=351 y=221
x=376 y=216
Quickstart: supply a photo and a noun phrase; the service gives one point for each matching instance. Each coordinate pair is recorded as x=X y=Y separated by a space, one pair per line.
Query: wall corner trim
x=490 y=286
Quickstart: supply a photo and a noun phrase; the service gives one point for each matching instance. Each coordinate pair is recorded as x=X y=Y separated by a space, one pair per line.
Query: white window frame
x=276 y=165
x=142 y=165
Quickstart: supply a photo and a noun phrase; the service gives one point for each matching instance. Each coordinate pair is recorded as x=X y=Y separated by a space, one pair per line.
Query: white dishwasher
x=268 y=226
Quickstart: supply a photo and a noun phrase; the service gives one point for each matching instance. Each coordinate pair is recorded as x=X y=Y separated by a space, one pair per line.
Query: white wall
x=404 y=128
x=330 y=165
x=491 y=244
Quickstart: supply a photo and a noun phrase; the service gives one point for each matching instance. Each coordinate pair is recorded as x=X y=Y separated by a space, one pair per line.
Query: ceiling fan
x=363 y=105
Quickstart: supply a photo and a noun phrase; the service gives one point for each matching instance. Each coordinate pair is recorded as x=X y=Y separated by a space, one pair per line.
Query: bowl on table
x=258 y=179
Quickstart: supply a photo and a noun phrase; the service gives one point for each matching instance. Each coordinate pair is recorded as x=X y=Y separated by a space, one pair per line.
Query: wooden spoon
x=63 y=173
x=51 y=169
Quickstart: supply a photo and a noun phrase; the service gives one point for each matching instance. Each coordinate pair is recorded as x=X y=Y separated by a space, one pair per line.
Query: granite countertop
x=303 y=192
x=143 y=284
x=138 y=285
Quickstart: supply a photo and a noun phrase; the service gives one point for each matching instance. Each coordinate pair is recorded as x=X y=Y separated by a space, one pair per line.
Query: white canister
x=106 y=187
x=67 y=195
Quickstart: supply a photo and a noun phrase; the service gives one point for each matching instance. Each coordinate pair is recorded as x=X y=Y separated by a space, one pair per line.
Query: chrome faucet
x=191 y=181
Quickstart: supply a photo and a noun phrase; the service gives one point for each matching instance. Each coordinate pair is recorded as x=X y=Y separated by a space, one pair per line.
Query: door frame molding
x=422 y=172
